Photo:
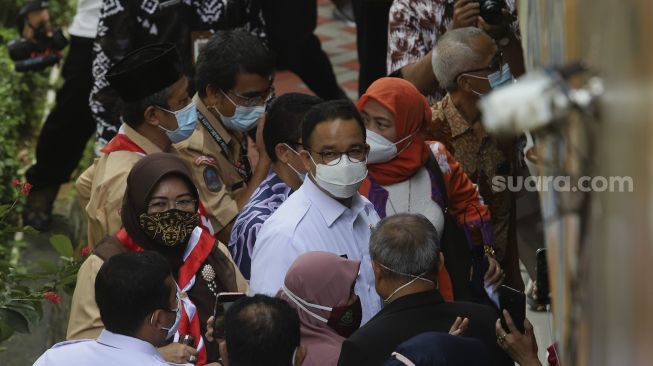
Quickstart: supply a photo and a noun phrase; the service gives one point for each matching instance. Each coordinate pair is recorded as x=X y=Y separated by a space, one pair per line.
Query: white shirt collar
x=329 y=207
x=124 y=342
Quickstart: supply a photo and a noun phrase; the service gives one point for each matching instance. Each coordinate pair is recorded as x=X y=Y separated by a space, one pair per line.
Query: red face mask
x=345 y=320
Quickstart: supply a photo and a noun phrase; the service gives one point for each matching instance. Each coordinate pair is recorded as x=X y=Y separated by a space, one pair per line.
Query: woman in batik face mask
x=160 y=213
x=320 y=286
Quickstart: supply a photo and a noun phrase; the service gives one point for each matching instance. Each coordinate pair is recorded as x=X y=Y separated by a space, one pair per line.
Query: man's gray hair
x=453 y=55
x=406 y=243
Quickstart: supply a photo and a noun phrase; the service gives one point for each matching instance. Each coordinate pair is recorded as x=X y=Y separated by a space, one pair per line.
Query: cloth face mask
x=169 y=228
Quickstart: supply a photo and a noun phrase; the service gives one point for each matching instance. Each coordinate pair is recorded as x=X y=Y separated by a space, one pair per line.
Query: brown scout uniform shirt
x=215 y=171
x=483 y=157
x=102 y=186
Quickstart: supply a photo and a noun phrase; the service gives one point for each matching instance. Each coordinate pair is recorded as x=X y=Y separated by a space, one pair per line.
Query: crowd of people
x=363 y=233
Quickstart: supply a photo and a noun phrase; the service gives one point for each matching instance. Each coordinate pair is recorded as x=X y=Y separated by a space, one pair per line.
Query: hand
x=494 y=276
x=209 y=330
x=465 y=13
x=35 y=20
x=497 y=31
x=177 y=353
x=522 y=348
x=459 y=326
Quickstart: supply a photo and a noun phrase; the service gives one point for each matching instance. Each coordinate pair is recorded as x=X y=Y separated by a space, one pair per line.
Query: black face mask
x=170 y=228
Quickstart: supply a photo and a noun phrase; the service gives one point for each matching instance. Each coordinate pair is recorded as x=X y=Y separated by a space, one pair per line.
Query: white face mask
x=381 y=149
x=175 y=326
x=341 y=180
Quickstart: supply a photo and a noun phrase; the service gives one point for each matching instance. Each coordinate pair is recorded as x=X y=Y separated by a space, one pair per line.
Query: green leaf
x=4 y=209
x=5 y=331
x=14 y=320
x=62 y=245
x=47 y=265
x=28 y=230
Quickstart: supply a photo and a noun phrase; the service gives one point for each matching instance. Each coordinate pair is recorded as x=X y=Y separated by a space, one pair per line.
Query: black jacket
x=411 y=315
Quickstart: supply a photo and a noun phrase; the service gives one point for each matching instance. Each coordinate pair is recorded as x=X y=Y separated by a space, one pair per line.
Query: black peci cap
x=145 y=71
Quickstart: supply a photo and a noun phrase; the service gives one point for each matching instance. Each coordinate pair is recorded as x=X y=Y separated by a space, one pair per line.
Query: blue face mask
x=244 y=119
x=500 y=77
x=496 y=79
x=186 y=120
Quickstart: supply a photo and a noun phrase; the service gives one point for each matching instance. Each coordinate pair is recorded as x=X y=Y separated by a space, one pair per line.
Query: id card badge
x=199 y=40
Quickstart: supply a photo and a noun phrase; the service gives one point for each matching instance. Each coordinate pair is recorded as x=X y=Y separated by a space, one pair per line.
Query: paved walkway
x=339 y=42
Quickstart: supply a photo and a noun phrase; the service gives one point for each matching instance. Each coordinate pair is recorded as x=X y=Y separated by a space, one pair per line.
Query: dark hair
x=261 y=331
x=329 y=111
x=133 y=114
x=227 y=54
x=283 y=120
x=129 y=287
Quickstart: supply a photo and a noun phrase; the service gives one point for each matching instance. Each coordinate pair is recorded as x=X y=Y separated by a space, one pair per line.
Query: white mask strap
x=303 y=304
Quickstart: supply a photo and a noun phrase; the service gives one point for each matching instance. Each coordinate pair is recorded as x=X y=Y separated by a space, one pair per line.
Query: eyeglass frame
x=267 y=95
x=337 y=159
x=176 y=204
x=494 y=66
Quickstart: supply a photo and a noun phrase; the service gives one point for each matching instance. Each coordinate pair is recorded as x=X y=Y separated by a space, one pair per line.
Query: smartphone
x=514 y=302
x=223 y=302
x=542 y=277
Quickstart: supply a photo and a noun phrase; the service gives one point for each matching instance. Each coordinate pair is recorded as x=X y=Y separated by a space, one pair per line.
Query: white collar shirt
x=108 y=349
x=310 y=220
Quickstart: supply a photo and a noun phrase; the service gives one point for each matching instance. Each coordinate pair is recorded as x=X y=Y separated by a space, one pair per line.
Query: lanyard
x=242 y=166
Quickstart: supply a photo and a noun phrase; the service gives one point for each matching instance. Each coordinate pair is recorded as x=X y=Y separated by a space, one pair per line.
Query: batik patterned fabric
x=126 y=25
x=415 y=26
x=265 y=200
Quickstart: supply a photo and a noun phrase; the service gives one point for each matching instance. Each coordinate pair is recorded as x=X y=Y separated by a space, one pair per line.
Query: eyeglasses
x=494 y=65
x=331 y=157
x=185 y=204
x=257 y=100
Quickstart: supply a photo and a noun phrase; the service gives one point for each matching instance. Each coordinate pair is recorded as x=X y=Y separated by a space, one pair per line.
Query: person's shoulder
x=60 y=353
x=194 y=142
x=479 y=311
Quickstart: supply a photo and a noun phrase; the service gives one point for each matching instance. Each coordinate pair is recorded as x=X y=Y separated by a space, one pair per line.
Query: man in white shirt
x=140 y=309
x=326 y=213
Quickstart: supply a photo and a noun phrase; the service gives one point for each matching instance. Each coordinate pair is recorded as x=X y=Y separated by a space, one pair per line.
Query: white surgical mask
x=415 y=278
x=244 y=118
x=381 y=149
x=301 y=176
x=341 y=180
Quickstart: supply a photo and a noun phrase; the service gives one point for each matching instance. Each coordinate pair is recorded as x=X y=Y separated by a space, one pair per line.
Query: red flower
x=15 y=182
x=86 y=250
x=52 y=297
x=25 y=188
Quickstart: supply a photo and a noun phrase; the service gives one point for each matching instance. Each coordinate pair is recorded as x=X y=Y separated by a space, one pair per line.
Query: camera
x=35 y=56
x=491 y=11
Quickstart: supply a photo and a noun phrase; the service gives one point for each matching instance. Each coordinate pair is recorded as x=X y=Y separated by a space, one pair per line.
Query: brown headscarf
x=142 y=179
x=323 y=279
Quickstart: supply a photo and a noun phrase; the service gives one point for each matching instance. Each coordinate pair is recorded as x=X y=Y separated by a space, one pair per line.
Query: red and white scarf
x=199 y=247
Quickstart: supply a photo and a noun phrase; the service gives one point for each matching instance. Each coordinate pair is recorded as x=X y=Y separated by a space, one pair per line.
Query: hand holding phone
x=223 y=301
x=514 y=302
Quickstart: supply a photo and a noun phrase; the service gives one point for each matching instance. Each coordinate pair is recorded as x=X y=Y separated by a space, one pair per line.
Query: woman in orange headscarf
x=409 y=174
